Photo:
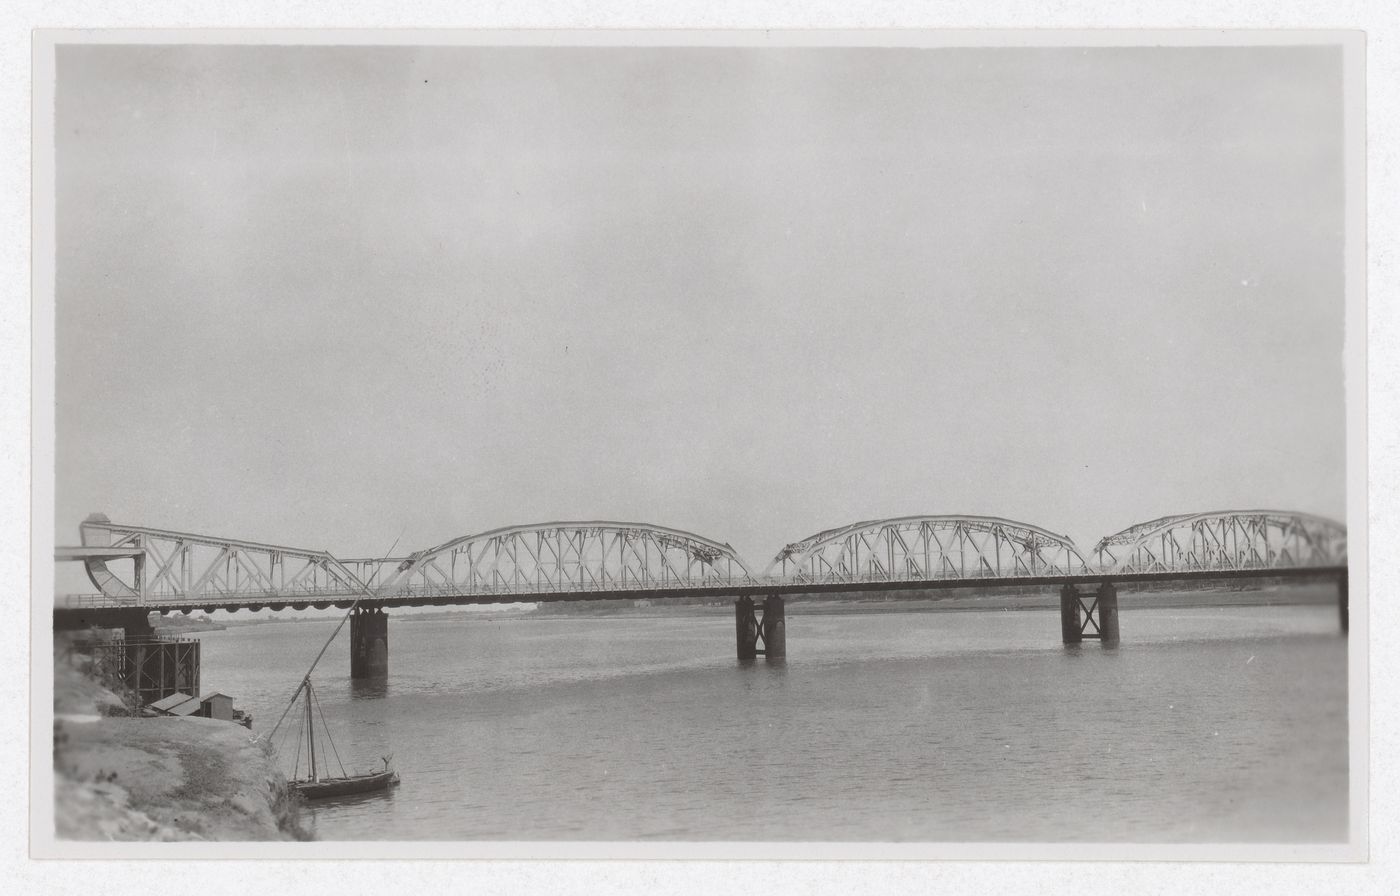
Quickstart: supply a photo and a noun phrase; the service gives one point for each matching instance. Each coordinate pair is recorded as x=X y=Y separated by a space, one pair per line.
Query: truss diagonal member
x=609 y=556
x=949 y=546
x=1226 y=540
x=209 y=579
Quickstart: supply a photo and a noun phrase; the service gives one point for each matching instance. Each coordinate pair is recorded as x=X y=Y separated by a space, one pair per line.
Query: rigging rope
x=296 y=764
x=327 y=729
x=279 y=746
x=364 y=592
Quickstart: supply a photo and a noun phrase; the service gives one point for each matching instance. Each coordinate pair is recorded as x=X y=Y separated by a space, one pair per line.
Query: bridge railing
x=526 y=591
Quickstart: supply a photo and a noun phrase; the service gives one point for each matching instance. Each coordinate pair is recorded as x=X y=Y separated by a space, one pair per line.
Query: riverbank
x=121 y=777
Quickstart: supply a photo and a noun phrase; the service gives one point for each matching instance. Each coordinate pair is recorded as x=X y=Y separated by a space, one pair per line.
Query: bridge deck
x=751 y=588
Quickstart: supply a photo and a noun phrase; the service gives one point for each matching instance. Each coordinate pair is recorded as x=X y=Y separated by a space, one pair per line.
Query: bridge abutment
x=369 y=643
x=757 y=636
x=134 y=622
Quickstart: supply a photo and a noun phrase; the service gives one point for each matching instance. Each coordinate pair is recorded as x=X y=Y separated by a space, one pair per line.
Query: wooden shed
x=216 y=706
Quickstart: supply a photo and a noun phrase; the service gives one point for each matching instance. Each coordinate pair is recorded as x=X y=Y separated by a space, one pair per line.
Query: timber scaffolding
x=150 y=667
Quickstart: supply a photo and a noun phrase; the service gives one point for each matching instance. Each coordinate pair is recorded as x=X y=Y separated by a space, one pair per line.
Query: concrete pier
x=369 y=643
x=774 y=628
x=746 y=628
x=1085 y=617
x=765 y=636
x=1071 y=625
x=1108 y=613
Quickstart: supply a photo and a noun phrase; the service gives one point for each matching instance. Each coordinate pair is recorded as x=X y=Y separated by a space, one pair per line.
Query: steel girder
x=183 y=568
x=174 y=568
x=928 y=548
x=1225 y=540
x=569 y=557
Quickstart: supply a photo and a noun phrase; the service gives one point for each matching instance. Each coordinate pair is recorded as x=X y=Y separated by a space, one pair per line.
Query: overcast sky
x=320 y=296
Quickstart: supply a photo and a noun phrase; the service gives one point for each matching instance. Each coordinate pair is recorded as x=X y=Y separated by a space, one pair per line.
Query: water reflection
x=1096 y=647
x=375 y=803
x=775 y=663
x=909 y=726
x=369 y=688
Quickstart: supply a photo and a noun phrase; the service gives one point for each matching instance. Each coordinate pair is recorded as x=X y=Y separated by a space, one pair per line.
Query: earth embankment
x=118 y=776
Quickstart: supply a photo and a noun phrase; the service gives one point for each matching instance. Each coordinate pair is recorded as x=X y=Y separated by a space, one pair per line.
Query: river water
x=1204 y=725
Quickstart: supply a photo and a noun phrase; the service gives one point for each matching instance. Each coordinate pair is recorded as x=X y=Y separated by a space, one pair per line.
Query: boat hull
x=345 y=786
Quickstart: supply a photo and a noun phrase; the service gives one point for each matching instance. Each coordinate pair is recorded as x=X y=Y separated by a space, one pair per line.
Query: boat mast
x=311 y=731
x=363 y=592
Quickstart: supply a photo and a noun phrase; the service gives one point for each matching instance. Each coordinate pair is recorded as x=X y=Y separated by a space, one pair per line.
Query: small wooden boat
x=318 y=786
x=316 y=789
x=315 y=785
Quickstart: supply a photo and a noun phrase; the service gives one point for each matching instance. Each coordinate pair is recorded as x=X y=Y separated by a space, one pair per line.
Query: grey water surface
x=1205 y=725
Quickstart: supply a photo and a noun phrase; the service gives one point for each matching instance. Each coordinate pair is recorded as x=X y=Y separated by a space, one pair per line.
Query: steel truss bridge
x=182 y=572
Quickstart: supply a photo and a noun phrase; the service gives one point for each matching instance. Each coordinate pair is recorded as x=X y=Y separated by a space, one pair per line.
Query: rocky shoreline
x=118 y=776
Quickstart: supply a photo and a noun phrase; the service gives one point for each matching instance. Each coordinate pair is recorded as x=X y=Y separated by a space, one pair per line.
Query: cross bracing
x=1225 y=541
x=928 y=548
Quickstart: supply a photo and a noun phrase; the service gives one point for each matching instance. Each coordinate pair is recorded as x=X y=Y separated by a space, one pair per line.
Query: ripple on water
x=1202 y=726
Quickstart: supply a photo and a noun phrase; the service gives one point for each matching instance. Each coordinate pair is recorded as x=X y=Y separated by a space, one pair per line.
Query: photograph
x=536 y=443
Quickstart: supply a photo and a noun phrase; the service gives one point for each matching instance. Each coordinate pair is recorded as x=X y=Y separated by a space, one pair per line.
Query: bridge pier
x=746 y=628
x=769 y=630
x=1343 y=610
x=1097 y=619
x=369 y=643
x=774 y=628
x=1071 y=628
x=1108 y=613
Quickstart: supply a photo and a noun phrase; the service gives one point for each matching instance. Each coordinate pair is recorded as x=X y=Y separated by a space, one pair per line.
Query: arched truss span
x=928 y=548
x=571 y=557
x=1225 y=540
x=181 y=567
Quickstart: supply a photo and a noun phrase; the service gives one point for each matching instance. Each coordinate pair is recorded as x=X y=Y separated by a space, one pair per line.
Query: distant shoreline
x=175 y=625
x=1004 y=603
